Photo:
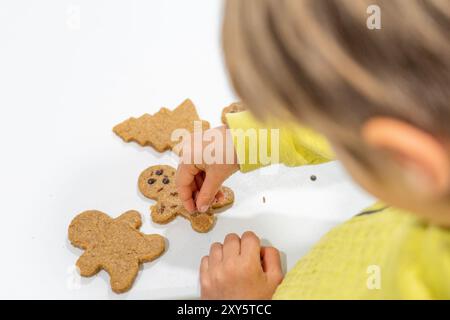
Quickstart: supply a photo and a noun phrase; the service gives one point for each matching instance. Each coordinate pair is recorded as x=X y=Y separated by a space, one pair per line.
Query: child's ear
x=425 y=161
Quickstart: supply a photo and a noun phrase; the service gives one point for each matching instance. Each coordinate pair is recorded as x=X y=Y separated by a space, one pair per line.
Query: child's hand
x=240 y=269
x=198 y=179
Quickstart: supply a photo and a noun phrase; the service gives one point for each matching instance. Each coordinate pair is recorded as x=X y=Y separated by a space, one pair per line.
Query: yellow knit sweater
x=383 y=253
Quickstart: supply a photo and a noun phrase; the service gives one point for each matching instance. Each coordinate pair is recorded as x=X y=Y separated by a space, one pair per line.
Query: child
x=381 y=97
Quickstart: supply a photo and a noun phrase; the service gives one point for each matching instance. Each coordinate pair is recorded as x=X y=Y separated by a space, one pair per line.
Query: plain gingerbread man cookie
x=114 y=245
x=158 y=183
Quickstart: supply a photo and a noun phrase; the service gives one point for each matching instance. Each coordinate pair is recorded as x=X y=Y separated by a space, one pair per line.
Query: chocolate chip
x=159 y=172
x=174 y=194
x=166 y=181
x=162 y=208
x=313 y=178
x=173 y=207
x=151 y=181
x=160 y=189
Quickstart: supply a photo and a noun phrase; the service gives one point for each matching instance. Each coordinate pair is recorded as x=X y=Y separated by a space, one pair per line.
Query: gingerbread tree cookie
x=158 y=183
x=114 y=245
x=156 y=130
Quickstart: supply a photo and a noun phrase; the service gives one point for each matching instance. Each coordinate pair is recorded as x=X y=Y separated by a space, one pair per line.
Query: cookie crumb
x=264 y=199
x=313 y=178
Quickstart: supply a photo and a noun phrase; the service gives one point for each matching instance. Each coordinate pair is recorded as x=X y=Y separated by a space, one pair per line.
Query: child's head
x=381 y=96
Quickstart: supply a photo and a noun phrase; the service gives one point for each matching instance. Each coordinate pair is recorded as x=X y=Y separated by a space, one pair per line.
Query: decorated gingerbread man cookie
x=114 y=245
x=158 y=183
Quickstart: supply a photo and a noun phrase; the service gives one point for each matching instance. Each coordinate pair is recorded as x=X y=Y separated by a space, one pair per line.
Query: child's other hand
x=240 y=269
x=198 y=179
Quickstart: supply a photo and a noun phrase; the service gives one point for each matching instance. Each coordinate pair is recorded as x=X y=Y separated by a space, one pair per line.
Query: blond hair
x=318 y=58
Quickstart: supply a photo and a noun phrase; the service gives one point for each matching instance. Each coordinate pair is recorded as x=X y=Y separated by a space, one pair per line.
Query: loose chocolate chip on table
x=166 y=181
x=313 y=178
x=159 y=172
x=151 y=181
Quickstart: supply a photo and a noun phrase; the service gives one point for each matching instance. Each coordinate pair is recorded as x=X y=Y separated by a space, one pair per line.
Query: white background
x=70 y=71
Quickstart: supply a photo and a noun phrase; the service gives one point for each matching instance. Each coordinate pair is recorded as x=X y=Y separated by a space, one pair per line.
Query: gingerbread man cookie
x=114 y=245
x=232 y=108
x=158 y=183
x=156 y=130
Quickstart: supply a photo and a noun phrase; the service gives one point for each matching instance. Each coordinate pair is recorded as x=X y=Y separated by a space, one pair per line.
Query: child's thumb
x=208 y=191
x=271 y=263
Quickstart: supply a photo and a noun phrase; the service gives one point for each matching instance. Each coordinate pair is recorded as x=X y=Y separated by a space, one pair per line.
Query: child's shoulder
x=379 y=242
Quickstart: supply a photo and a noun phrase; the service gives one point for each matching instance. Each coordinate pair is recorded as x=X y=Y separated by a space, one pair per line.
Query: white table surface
x=70 y=71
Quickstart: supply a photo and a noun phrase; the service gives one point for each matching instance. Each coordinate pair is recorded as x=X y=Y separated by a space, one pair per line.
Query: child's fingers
x=271 y=260
x=189 y=203
x=204 y=266
x=219 y=196
x=250 y=246
x=271 y=263
x=208 y=191
x=231 y=246
x=199 y=178
x=185 y=182
x=215 y=254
